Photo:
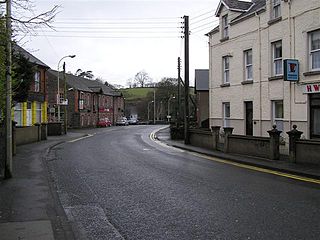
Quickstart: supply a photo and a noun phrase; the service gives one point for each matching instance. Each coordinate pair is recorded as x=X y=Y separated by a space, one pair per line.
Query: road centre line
x=81 y=138
x=258 y=169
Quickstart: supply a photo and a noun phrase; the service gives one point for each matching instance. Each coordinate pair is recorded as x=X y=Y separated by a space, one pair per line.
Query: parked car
x=122 y=121
x=133 y=121
x=104 y=122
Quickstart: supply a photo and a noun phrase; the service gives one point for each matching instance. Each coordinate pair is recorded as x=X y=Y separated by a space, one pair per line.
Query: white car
x=122 y=121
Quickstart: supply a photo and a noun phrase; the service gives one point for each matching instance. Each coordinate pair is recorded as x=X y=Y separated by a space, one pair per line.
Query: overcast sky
x=115 y=39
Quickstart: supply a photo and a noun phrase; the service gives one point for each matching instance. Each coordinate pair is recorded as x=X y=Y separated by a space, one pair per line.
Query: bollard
x=274 y=134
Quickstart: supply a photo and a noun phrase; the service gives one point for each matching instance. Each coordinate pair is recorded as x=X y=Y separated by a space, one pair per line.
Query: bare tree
x=85 y=74
x=141 y=78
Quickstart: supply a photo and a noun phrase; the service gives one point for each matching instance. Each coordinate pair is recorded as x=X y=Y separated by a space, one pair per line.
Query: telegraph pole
x=65 y=117
x=8 y=85
x=179 y=97
x=186 y=79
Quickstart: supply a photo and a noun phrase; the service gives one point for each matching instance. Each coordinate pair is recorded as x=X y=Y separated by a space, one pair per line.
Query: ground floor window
x=315 y=115
x=226 y=114
x=18 y=116
x=277 y=114
x=38 y=113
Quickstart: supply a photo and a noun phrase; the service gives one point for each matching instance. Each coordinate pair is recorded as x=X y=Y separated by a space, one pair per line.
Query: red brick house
x=88 y=100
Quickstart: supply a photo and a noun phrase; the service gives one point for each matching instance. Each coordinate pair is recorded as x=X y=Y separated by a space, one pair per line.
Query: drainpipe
x=260 y=76
x=290 y=83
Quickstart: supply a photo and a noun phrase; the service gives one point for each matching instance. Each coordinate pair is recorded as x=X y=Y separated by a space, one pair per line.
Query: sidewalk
x=281 y=166
x=29 y=206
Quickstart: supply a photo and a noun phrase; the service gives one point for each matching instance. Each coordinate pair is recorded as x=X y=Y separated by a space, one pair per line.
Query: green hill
x=136 y=93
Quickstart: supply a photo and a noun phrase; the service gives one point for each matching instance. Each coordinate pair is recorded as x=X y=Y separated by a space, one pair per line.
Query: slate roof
x=86 y=85
x=233 y=5
x=201 y=79
x=257 y=5
x=29 y=56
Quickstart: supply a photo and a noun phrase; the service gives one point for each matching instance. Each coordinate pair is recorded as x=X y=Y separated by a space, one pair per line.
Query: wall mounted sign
x=291 y=70
x=312 y=88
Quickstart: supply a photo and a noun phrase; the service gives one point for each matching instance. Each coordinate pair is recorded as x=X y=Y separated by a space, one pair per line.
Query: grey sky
x=117 y=39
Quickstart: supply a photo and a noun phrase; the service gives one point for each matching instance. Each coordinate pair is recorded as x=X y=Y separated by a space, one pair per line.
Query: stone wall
x=26 y=135
x=308 y=151
x=201 y=138
x=249 y=145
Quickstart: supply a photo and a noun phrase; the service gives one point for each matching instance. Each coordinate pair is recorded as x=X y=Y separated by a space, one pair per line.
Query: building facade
x=34 y=109
x=248 y=90
x=88 y=101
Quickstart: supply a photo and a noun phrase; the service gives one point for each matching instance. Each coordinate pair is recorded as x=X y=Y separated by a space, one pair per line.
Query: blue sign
x=291 y=70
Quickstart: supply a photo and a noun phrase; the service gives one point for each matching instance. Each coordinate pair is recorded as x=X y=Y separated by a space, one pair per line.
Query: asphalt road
x=119 y=184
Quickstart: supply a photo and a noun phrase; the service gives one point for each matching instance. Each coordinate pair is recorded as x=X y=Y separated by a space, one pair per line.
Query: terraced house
x=88 y=101
x=34 y=109
x=248 y=58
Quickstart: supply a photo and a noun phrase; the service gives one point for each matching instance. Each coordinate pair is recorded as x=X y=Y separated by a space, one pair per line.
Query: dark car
x=104 y=122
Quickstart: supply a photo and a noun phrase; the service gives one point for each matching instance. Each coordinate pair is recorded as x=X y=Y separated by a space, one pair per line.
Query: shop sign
x=312 y=88
x=291 y=70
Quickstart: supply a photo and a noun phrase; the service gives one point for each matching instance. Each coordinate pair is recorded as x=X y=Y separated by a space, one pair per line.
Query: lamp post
x=169 y=107
x=58 y=91
x=149 y=111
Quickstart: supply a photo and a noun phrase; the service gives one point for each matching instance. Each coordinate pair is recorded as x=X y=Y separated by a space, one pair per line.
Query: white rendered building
x=247 y=89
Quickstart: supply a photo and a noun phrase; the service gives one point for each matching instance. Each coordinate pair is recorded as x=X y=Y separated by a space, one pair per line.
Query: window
x=38 y=112
x=277 y=58
x=18 y=114
x=61 y=98
x=226 y=114
x=225 y=63
x=37 y=82
x=225 y=28
x=248 y=65
x=276 y=8
x=277 y=114
x=315 y=50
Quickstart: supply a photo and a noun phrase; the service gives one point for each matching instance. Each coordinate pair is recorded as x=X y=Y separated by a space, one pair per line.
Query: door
x=315 y=115
x=249 y=118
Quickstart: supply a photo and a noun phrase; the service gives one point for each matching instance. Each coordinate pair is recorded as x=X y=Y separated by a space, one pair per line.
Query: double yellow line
x=259 y=169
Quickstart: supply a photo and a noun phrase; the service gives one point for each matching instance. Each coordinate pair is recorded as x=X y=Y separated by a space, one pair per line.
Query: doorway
x=249 y=117
x=315 y=115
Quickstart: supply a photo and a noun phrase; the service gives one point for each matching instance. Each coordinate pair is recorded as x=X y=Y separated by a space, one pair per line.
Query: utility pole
x=65 y=117
x=8 y=85
x=154 y=105
x=186 y=79
x=179 y=97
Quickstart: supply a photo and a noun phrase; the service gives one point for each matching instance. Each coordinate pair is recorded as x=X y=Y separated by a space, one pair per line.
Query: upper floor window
x=314 y=50
x=226 y=65
x=225 y=27
x=277 y=58
x=37 y=82
x=276 y=8
x=248 y=64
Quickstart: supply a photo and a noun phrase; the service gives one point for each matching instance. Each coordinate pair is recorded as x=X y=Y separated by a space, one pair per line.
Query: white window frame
x=312 y=52
x=225 y=26
x=37 y=81
x=248 y=66
x=38 y=112
x=276 y=60
x=278 y=121
x=226 y=115
x=276 y=8
x=18 y=117
x=226 y=69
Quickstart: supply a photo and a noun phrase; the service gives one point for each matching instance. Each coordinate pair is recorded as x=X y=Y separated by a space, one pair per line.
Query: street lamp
x=58 y=92
x=169 y=107
x=149 y=110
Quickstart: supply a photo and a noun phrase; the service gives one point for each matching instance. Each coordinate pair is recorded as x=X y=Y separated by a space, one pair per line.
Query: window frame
x=278 y=121
x=276 y=8
x=247 y=65
x=37 y=80
x=225 y=26
x=226 y=69
x=226 y=119
x=275 y=59
x=311 y=52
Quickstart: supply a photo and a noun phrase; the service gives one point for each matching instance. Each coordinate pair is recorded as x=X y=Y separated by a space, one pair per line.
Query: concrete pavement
x=29 y=208
x=310 y=171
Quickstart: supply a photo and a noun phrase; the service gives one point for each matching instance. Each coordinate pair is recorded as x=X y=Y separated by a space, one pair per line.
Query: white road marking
x=78 y=139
